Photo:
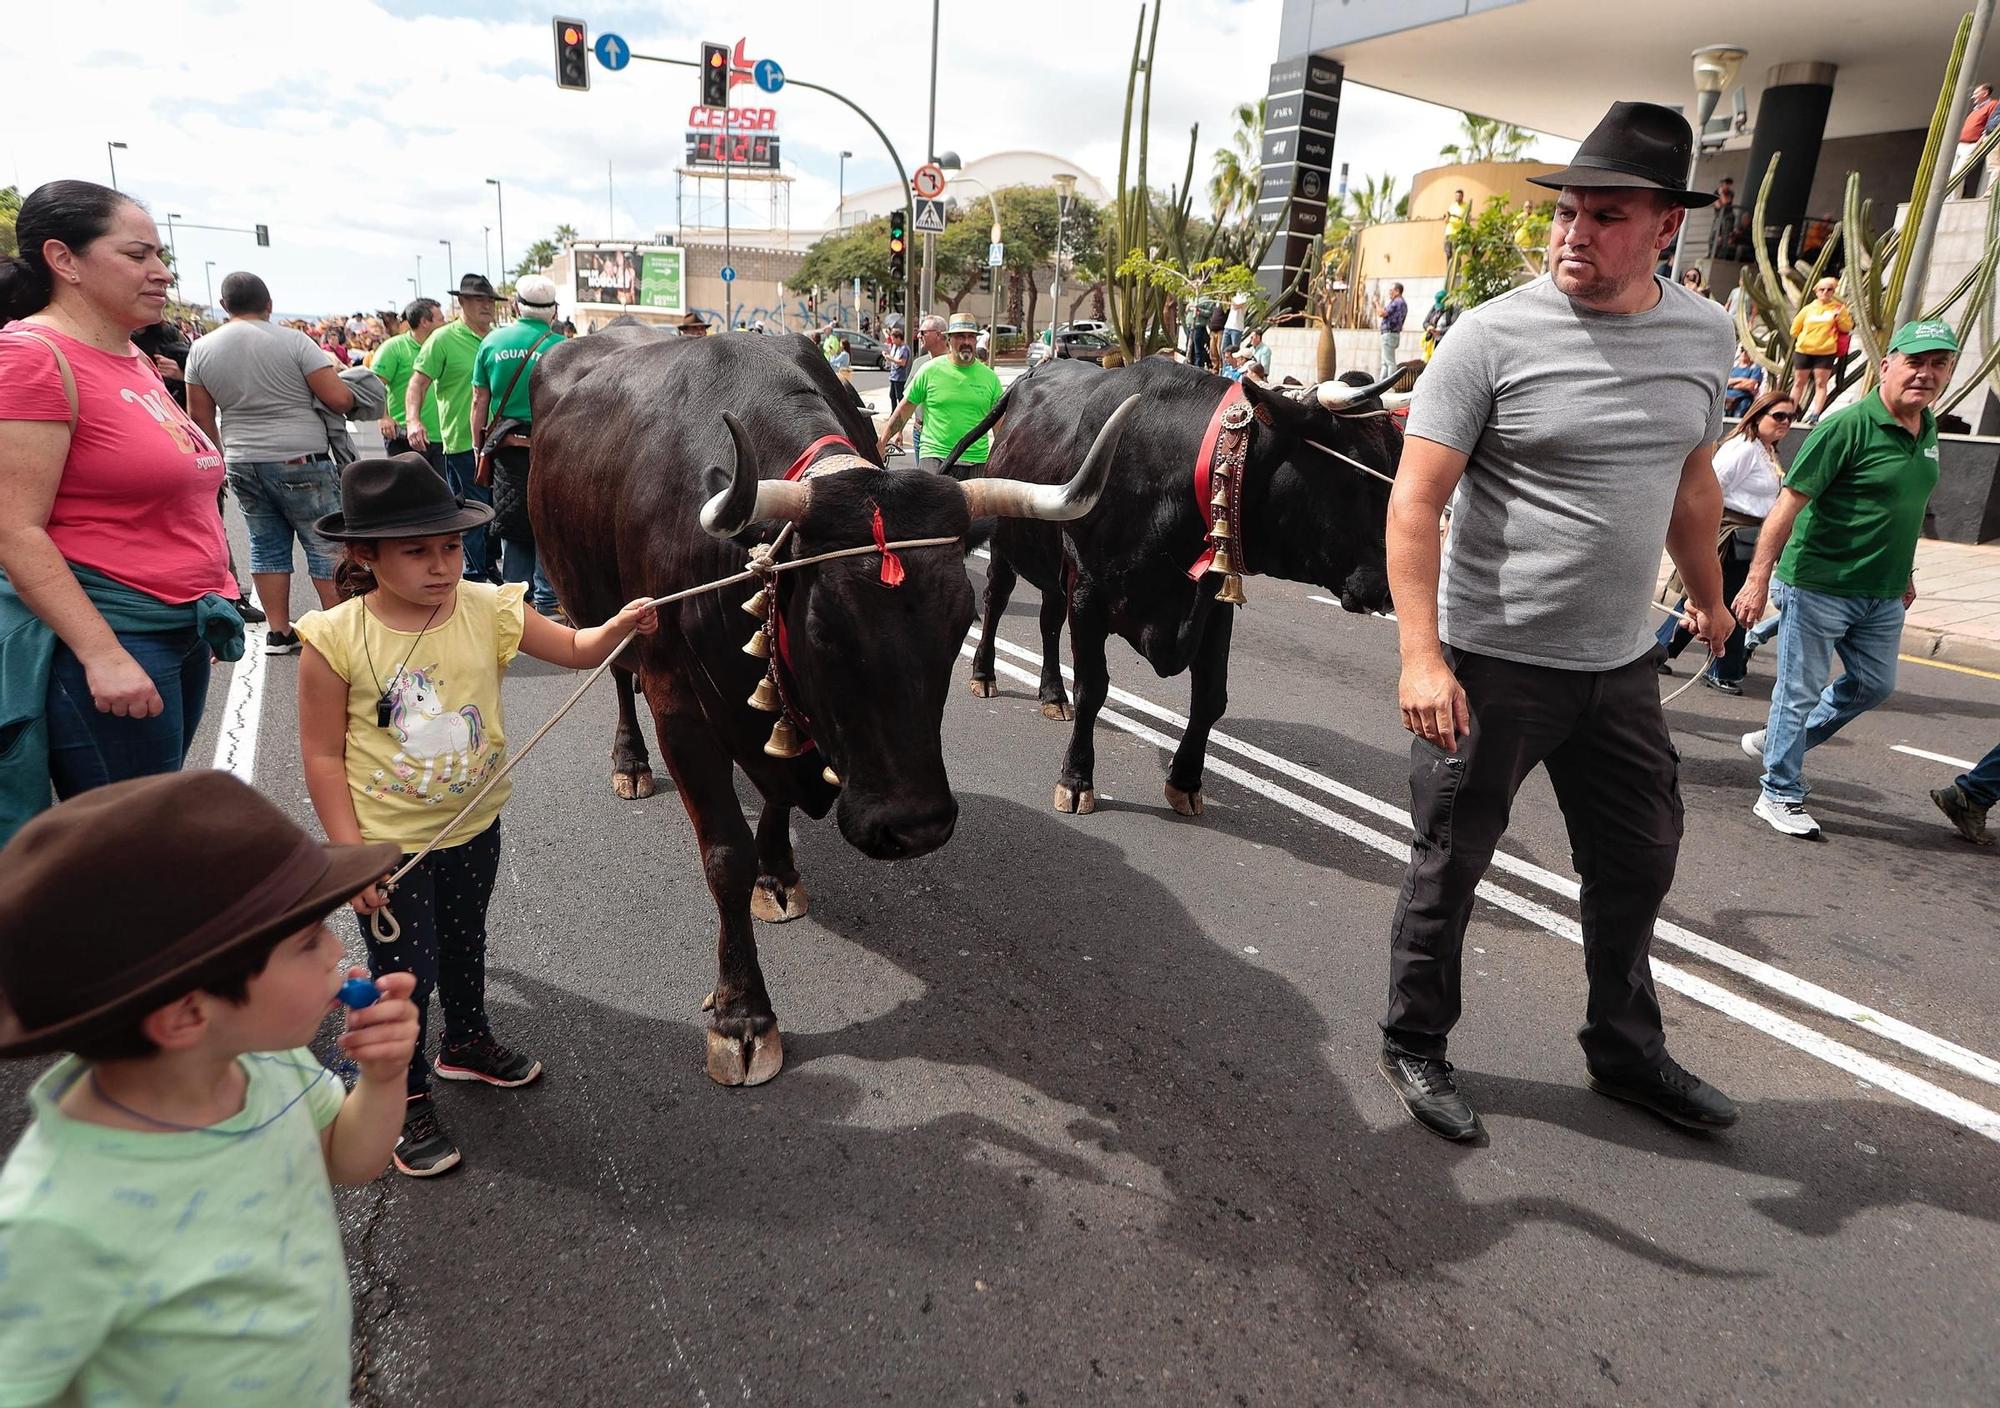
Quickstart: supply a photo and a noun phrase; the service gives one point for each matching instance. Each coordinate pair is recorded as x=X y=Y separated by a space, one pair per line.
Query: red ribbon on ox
x=892 y=565
x=1203 y=462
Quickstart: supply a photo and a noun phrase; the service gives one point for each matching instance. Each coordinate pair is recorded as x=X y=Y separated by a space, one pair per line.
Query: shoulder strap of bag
x=62 y=368
x=515 y=380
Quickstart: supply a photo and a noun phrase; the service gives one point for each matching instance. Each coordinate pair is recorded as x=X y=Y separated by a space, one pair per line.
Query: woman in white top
x=1746 y=465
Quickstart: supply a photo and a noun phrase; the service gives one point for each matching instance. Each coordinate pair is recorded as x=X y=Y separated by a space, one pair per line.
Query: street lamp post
x=111 y=150
x=208 y=268
x=1714 y=70
x=486 y=238
x=173 y=215
x=450 y=271
x=993 y=270
x=840 y=216
x=1065 y=189
x=420 y=277
x=500 y=207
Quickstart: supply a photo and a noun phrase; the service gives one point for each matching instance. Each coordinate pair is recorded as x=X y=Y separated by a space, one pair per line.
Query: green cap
x=1930 y=335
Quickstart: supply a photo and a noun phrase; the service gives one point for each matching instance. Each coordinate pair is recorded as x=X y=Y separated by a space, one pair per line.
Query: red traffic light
x=715 y=58
x=572 y=35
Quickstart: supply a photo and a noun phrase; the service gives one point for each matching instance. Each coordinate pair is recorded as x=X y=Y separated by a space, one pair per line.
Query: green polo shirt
x=1869 y=480
x=394 y=361
x=954 y=399
x=500 y=355
x=446 y=358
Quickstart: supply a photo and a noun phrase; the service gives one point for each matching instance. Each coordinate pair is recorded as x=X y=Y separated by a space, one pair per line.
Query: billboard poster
x=628 y=276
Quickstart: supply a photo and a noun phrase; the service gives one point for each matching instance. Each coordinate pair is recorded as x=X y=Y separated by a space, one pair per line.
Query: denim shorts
x=283 y=501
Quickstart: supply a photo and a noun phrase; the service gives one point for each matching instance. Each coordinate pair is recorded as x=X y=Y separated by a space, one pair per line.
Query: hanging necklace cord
x=764 y=566
x=381 y=703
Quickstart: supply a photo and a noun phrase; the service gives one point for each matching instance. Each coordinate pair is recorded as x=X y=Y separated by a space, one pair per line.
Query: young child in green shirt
x=167 y=1230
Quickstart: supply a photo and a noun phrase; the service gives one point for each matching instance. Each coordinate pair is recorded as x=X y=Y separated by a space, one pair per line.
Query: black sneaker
x=425 y=1150
x=1430 y=1095
x=487 y=1060
x=281 y=643
x=1967 y=817
x=1721 y=686
x=1670 y=1092
x=247 y=609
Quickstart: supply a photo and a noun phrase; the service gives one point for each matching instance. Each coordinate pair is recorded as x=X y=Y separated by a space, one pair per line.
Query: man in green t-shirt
x=955 y=393
x=502 y=376
x=445 y=360
x=1847 y=523
x=394 y=361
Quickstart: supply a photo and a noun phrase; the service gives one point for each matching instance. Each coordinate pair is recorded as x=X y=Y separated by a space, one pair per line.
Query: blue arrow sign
x=613 y=52
x=770 y=77
x=728 y=274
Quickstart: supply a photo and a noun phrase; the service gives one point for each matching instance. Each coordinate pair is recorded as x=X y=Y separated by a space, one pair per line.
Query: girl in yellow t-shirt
x=400 y=724
x=1817 y=332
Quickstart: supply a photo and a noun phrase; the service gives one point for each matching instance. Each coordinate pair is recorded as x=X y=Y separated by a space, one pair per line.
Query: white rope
x=1688 y=621
x=762 y=565
x=1349 y=459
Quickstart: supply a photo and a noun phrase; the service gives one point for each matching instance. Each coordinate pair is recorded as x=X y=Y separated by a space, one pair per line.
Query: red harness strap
x=1204 y=462
x=804 y=461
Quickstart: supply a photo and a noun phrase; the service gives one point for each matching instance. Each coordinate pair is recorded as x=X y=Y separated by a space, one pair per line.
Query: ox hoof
x=634 y=784
x=1186 y=803
x=745 y=1060
x=775 y=903
x=1080 y=801
x=984 y=689
x=1059 y=710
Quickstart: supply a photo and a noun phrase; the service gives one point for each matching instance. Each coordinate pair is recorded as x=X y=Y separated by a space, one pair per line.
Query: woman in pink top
x=114 y=573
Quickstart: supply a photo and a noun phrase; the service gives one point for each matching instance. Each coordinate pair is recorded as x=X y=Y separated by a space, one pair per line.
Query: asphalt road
x=1084 y=1109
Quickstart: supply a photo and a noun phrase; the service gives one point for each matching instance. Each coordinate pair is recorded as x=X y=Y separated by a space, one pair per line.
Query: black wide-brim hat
x=1636 y=146
x=399 y=497
x=475 y=286
x=124 y=898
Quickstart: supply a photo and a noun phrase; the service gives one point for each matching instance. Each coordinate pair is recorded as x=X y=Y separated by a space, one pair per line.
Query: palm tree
x=1232 y=190
x=566 y=234
x=1486 y=139
x=1375 y=202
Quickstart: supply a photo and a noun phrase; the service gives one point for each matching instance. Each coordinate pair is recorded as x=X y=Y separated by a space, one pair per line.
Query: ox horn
x=746 y=499
x=1054 y=503
x=1396 y=400
x=1335 y=394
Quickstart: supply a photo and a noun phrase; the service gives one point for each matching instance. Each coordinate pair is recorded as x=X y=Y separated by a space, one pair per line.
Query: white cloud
x=363 y=134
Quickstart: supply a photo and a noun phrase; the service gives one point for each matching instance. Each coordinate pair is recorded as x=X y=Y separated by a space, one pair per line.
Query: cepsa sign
x=735 y=119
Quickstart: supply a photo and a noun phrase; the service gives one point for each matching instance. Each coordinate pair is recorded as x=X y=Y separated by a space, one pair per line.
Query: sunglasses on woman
x=1784 y=417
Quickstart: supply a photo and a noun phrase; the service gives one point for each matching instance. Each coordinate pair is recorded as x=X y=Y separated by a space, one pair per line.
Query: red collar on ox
x=1224 y=444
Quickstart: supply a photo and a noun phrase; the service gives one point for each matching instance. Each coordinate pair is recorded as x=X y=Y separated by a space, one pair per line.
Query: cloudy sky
x=363 y=133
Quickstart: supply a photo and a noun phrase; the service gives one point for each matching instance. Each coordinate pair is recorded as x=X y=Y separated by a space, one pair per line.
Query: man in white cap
x=502 y=376
x=955 y=393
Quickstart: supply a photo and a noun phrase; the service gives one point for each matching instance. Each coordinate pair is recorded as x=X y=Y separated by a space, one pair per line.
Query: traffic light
x=899 y=244
x=572 y=55
x=715 y=75
x=264 y=236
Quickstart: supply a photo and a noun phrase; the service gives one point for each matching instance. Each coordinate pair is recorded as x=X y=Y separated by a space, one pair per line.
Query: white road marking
x=1811 y=994
x=236 y=740
x=1880 y=1073
x=1965 y=763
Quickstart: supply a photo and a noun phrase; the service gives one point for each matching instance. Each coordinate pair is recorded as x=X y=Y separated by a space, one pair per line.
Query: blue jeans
x=482 y=548
x=89 y=749
x=518 y=564
x=1982 y=784
x=1866 y=632
x=283 y=501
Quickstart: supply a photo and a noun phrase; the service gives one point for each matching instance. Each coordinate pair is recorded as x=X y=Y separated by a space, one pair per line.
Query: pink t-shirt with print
x=137 y=496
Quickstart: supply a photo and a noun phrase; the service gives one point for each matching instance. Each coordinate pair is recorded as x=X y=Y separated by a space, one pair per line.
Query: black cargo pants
x=1603 y=738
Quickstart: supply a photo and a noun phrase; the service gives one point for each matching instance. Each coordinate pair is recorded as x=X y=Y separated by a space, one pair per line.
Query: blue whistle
x=358 y=993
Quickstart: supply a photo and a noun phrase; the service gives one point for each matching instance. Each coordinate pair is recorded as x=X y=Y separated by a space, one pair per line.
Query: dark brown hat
x=474 y=286
x=120 y=900
x=400 y=497
x=1639 y=145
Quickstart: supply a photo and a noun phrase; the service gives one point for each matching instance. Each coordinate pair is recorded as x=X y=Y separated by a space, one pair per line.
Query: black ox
x=1307 y=516
x=659 y=463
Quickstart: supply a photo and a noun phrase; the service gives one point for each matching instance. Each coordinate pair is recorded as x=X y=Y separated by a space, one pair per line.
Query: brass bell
x=1220 y=503
x=765 y=696
x=832 y=778
x=1232 y=590
x=1220 y=532
x=758 y=645
x=757 y=604
x=784 y=740
x=1221 y=561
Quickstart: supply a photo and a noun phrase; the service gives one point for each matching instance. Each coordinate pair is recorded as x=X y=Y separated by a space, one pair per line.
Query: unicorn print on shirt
x=431 y=739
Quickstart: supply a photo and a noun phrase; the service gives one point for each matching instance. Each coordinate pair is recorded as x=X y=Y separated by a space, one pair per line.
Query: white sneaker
x=1787 y=818
x=1753 y=744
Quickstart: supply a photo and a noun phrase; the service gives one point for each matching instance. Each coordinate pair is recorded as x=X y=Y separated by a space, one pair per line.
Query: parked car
x=862 y=350
x=1103 y=329
x=1083 y=346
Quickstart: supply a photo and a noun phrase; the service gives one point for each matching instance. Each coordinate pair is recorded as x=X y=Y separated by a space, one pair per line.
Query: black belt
x=305 y=459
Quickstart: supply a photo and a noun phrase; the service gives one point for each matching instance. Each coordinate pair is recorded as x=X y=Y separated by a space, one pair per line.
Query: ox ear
x=1280 y=409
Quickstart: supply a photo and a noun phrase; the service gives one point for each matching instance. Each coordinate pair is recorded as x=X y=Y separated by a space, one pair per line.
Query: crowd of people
x=1574 y=425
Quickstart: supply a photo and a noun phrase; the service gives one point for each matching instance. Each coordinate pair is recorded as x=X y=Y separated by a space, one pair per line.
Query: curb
x=1947 y=648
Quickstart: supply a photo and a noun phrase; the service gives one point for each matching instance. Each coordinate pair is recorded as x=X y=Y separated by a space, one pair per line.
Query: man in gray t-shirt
x=1570 y=423
x=266 y=382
